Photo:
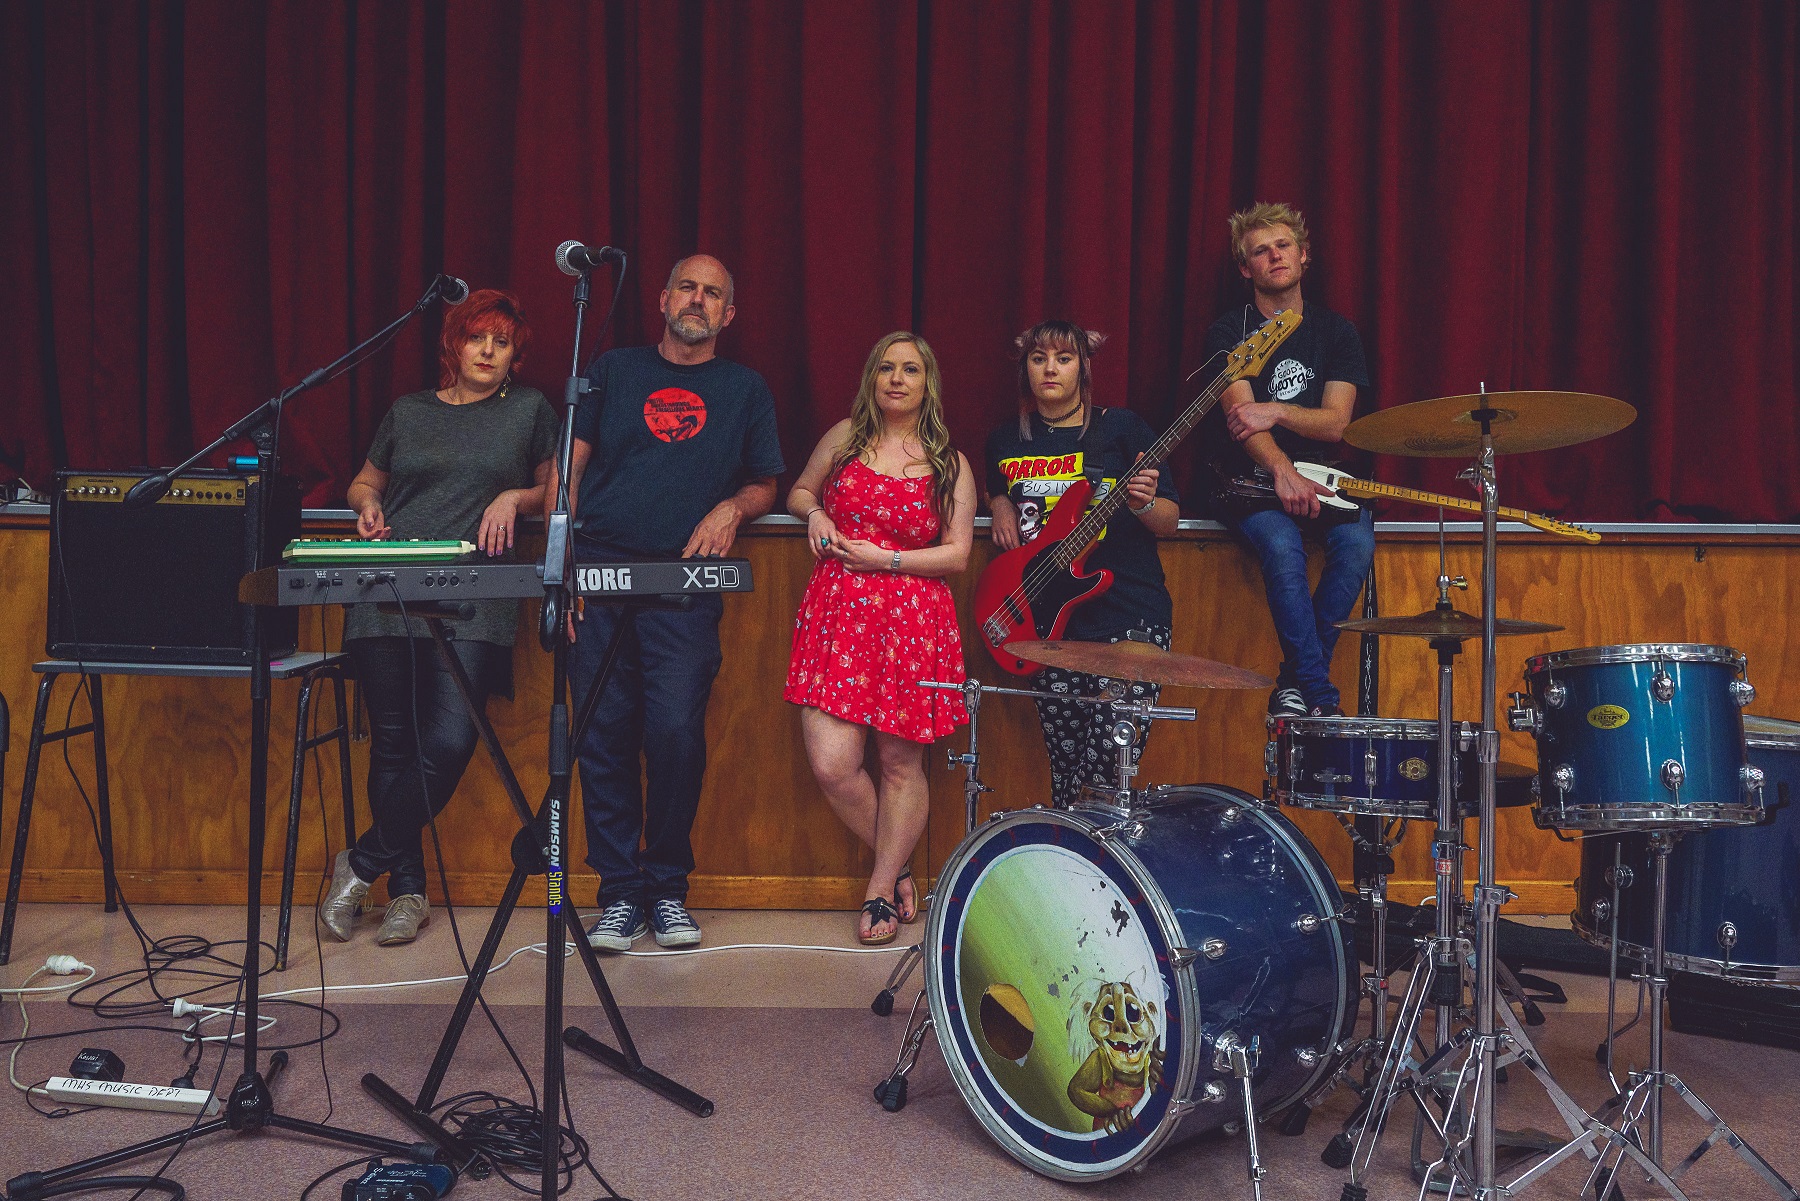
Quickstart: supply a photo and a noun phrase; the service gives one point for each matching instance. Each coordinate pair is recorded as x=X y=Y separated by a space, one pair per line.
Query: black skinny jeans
x=398 y=674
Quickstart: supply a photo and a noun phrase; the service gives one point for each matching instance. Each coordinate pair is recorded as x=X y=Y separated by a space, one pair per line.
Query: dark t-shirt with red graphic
x=1034 y=474
x=669 y=443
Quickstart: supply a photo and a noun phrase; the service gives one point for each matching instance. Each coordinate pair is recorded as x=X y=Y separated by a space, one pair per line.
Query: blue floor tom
x=1640 y=737
x=1734 y=894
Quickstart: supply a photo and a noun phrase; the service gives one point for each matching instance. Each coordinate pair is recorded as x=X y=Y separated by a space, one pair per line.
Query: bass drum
x=1084 y=967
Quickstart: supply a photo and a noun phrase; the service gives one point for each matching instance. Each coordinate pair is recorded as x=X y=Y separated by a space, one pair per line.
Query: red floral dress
x=863 y=639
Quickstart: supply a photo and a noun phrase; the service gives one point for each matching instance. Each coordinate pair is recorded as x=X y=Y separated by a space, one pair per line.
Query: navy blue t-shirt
x=1326 y=347
x=669 y=443
x=1034 y=474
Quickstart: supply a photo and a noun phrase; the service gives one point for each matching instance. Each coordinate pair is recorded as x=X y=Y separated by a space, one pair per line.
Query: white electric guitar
x=1342 y=485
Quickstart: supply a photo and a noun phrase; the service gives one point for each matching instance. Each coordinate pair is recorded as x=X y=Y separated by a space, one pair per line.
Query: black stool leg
x=342 y=734
x=107 y=873
x=22 y=828
x=297 y=787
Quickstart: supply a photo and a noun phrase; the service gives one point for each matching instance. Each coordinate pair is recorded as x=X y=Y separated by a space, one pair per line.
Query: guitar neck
x=1089 y=528
x=1358 y=487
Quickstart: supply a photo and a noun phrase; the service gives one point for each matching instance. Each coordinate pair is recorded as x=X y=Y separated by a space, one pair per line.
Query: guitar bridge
x=996 y=630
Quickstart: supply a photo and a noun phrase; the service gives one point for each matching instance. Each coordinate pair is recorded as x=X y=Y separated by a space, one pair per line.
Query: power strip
x=160 y=1097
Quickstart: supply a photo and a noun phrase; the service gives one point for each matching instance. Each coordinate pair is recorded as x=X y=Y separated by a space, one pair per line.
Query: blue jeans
x=653 y=710
x=1304 y=621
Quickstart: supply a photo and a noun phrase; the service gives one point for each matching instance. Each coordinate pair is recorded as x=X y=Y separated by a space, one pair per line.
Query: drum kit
x=1164 y=958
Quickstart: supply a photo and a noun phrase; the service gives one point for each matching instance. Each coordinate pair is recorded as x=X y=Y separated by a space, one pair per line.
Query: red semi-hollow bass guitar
x=1029 y=592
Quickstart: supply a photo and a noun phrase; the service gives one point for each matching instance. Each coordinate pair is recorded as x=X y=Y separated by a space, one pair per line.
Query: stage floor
x=781 y=1039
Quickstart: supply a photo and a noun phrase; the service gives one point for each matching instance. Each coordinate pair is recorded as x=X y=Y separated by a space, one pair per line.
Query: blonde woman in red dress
x=889 y=508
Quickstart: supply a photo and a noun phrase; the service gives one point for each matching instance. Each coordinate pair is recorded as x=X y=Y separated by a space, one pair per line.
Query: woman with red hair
x=459 y=463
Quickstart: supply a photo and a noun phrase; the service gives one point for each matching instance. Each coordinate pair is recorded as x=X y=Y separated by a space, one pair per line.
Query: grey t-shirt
x=446 y=463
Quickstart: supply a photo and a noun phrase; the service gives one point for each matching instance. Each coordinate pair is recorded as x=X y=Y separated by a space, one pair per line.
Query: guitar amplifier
x=159 y=584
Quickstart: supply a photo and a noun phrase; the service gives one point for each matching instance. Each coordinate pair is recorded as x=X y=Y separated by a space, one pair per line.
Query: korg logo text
x=605 y=579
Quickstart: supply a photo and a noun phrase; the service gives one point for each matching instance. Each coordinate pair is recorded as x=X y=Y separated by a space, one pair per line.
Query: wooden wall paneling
x=765 y=835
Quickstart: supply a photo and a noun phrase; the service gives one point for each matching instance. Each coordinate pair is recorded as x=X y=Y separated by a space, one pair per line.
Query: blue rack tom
x=1640 y=737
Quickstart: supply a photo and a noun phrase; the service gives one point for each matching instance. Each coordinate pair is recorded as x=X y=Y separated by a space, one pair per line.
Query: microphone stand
x=251 y=1106
x=540 y=846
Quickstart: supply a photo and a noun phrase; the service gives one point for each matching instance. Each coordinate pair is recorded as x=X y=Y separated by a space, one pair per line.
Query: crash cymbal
x=1442 y=623
x=1444 y=428
x=1139 y=661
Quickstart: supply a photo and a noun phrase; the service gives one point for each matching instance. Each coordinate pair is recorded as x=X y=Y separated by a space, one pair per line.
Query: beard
x=690 y=333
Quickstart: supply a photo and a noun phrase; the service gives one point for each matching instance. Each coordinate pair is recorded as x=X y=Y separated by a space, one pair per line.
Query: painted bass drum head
x=1061 y=1018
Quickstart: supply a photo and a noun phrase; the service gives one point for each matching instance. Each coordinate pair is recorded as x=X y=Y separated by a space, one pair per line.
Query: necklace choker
x=1051 y=421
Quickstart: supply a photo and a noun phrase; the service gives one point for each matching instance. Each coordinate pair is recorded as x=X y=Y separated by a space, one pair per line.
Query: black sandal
x=880 y=910
x=906 y=875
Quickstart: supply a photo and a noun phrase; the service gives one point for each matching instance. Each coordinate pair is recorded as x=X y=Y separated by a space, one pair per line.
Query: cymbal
x=1443 y=623
x=1139 y=661
x=1443 y=428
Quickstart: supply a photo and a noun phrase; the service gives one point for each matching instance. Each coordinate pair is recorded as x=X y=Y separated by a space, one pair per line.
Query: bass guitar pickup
x=351 y=584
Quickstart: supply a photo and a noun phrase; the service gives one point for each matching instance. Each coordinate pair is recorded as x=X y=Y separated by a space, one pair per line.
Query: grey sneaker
x=343 y=900
x=674 y=925
x=1287 y=702
x=405 y=915
x=621 y=925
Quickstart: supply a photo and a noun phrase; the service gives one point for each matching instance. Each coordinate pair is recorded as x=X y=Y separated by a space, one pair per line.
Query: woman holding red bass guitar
x=1062 y=455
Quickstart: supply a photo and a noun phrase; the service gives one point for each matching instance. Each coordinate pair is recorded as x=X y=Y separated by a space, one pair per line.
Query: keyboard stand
x=536 y=850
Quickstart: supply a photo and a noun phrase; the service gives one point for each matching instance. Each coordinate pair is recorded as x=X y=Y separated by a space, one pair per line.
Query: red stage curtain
x=204 y=201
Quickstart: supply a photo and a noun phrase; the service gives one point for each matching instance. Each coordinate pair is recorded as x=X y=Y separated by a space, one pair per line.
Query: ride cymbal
x=1442 y=623
x=1523 y=421
x=1138 y=661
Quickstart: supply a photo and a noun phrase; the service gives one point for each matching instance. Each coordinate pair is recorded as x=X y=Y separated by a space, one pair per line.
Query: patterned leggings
x=1077 y=735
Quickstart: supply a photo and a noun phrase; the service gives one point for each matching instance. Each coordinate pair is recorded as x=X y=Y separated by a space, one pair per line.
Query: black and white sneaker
x=1326 y=711
x=621 y=925
x=1287 y=702
x=673 y=924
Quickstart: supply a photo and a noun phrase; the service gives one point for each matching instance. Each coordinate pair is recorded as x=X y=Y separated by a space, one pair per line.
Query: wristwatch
x=895 y=565
x=1145 y=509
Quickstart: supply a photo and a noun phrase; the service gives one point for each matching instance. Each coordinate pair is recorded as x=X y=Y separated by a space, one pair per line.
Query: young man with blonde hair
x=1294 y=411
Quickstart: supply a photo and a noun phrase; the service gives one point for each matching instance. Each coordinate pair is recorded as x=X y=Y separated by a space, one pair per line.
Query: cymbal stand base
x=1645 y=1095
x=1455 y=1170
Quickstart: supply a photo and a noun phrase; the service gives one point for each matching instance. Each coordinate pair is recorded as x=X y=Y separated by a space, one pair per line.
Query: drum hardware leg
x=883 y=1004
x=891 y=1092
x=970 y=761
x=1395 y=1075
x=1243 y=1065
x=1646 y=1095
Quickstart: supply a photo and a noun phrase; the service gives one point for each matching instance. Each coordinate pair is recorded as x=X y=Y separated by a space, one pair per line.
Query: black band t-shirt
x=669 y=442
x=1034 y=473
x=1324 y=348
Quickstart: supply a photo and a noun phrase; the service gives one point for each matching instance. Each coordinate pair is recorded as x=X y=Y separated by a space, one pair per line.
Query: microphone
x=452 y=291
x=572 y=258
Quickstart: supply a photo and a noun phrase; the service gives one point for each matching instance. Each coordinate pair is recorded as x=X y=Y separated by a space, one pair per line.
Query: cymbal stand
x=1646 y=1093
x=1437 y=979
x=970 y=762
x=1468 y=1155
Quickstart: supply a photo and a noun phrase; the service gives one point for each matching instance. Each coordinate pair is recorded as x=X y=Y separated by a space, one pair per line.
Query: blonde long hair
x=934 y=432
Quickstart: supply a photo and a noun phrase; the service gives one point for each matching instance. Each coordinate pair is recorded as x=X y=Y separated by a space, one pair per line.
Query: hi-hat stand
x=251 y=1105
